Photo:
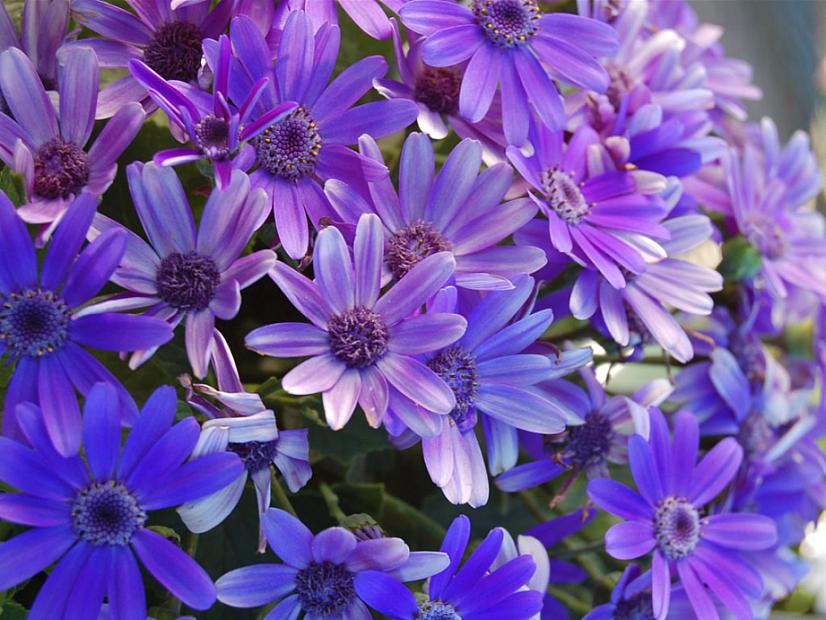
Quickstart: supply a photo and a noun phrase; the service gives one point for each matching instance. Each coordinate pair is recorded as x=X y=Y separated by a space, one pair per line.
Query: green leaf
x=13 y=611
x=741 y=260
x=13 y=185
x=355 y=439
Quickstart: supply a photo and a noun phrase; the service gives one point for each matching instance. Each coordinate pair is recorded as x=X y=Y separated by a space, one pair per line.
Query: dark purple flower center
x=755 y=435
x=289 y=148
x=358 y=337
x=438 y=89
x=589 y=443
x=507 y=23
x=436 y=610
x=410 y=245
x=33 y=322
x=60 y=169
x=106 y=513
x=677 y=527
x=174 y=52
x=564 y=197
x=457 y=368
x=212 y=136
x=257 y=455
x=187 y=281
x=748 y=351
x=325 y=589
x=637 y=607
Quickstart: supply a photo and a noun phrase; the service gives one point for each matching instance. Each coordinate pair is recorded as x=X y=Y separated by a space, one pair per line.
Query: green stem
x=573 y=552
x=570 y=601
x=280 y=496
x=534 y=506
x=331 y=499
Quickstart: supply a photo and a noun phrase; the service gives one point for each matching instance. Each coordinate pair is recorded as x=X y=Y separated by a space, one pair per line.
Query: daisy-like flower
x=367 y=14
x=239 y=422
x=479 y=588
x=600 y=216
x=362 y=343
x=91 y=516
x=318 y=571
x=48 y=148
x=512 y=43
x=215 y=129
x=293 y=157
x=167 y=40
x=460 y=212
x=525 y=545
x=45 y=323
x=183 y=274
x=667 y=516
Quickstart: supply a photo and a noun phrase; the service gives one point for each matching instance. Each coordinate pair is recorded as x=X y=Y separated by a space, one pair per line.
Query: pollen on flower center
x=324 y=589
x=212 y=135
x=677 y=527
x=638 y=607
x=106 y=513
x=564 y=197
x=187 y=281
x=60 y=169
x=358 y=337
x=457 y=368
x=507 y=23
x=33 y=322
x=438 y=89
x=410 y=245
x=589 y=443
x=175 y=51
x=436 y=610
x=289 y=148
x=257 y=455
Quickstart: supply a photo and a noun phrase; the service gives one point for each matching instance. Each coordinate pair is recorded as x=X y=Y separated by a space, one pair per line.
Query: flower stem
x=280 y=496
x=570 y=601
x=331 y=499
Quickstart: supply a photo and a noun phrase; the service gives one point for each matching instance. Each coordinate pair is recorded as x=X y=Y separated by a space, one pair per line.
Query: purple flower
x=183 y=273
x=362 y=344
x=44 y=326
x=215 y=129
x=460 y=212
x=167 y=40
x=239 y=422
x=667 y=516
x=293 y=157
x=601 y=217
x=367 y=14
x=318 y=572
x=48 y=152
x=91 y=517
x=511 y=42
x=476 y=589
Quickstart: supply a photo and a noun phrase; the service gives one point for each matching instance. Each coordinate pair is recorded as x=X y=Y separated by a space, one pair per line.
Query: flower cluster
x=546 y=248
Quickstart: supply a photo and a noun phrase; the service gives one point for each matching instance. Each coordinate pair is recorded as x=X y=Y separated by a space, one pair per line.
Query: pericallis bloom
x=47 y=148
x=317 y=573
x=475 y=590
x=293 y=157
x=362 y=344
x=45 y=322
x=215 y=129
x=525 y=545
x=241 y=423
x=512 y=43
x=183 y=273
x=668 y=518
x=167 y=40
x=367 y=14
x=604 y=218
x=460 y=211
x=90 y=515
x=492 y=378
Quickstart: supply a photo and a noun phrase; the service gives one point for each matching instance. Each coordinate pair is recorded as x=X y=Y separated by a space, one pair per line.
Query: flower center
x=358 y=337
x=677 y=527
x=589 y=443
x=175 y=51
x=60 y=169
x=187 y=281
x=767 y=236
x=289 y=148
x=621 y=84
x=33 y=323
x=324 y=589
x=564 y=197
x=212 y=135
x=755 y=435
x=106 y=513
x=410 y=245
x=257 y=455
x=457 y=368
x=507 y=23
x=436 y=610
x=438 y=89
x=638 y=607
